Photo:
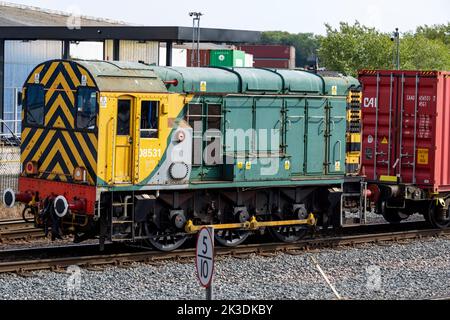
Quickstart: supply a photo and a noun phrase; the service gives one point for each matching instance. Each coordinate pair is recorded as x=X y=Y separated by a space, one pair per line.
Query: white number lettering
x=150 y=153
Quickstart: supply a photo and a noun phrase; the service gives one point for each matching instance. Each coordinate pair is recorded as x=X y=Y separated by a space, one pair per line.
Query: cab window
x=149 y=119
x=86 y=108
x=34 y=104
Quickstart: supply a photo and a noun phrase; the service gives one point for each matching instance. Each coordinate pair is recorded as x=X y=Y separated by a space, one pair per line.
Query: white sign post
x=204 y=259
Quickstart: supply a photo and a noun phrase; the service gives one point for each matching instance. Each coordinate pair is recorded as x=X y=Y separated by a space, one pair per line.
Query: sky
x=262 y=15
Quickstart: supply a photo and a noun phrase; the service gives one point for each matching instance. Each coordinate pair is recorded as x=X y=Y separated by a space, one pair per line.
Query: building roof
x=14 y=15
x=19 y=22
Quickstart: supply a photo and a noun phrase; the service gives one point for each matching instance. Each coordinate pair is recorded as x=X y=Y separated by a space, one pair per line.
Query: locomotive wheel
x=230 y=237
x=437 y=216
x=289 y=233
x=392 y=215
x=165 y=240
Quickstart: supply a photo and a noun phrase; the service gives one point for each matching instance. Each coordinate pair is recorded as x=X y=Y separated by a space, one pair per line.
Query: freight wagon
x=406 y=143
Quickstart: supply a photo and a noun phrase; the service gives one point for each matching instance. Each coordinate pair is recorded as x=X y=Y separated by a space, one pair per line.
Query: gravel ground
x=416 y=270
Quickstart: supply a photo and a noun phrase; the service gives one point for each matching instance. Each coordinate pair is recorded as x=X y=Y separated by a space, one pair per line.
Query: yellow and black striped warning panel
x=353 y=152
x=56 y=145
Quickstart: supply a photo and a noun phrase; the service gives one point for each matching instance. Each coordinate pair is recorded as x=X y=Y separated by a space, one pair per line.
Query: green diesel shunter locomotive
x=131 y=152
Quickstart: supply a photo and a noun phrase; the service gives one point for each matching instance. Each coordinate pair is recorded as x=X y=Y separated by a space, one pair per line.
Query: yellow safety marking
x=384 y=141
x=88 y=154
x=72 y=74
x=31 y=144
x=56 y=147
x=59 y=104
x=49 y=73
x=25 y=133
x=56 y=172
x=388 y=178
x=355 y=138
x=422 y=156
x=287 y=165
x=252 y=224
x=93 y=139
x=75 y=152
x=66 y=88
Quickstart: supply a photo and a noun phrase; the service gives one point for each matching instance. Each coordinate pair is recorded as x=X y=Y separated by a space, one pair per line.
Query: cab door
x=124 y=136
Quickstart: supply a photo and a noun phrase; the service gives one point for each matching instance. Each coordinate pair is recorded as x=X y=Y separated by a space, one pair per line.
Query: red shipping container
x=271 y=63
x=406 y=127
x=267 y=51
x=204 y=58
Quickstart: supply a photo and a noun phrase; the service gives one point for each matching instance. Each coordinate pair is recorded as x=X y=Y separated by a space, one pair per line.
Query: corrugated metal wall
x=134 y=51
x=20 y=59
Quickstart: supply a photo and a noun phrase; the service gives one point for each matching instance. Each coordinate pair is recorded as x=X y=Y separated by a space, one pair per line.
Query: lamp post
x=195 y=37
x=395 y=37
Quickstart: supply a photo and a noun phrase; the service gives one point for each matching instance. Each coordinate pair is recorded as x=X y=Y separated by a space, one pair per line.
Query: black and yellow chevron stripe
x=58 y=147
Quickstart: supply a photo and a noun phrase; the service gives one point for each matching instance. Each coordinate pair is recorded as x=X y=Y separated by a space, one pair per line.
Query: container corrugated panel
x=406 y=127
x=268 y=51
x=204 y=58
x=271 y=63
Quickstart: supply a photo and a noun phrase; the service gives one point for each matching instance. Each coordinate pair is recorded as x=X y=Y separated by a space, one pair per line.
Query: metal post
x=15 y=112
x=195 y=38
x=66 y=49
x=168 y=53
x=2 y=80
x=198 y=41
x=116 y=50
x=398 y=48
x=193 y=41
x=209 y=289
x=396 y=52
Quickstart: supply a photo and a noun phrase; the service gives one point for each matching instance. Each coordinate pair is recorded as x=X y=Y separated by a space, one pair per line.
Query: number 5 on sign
x=204 y=259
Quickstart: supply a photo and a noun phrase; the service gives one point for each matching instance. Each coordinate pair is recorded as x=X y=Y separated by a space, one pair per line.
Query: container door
x=416 y=142
x=315 y=144
x=122 y=162
x=379 y=133
x=295 y=134
x=337 y=127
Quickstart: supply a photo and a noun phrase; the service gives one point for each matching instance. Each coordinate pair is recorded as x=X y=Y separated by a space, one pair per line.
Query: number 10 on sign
x=204 y=260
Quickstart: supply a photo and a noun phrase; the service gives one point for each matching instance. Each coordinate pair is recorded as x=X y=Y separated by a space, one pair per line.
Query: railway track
x=17 y=229
x=87 y=255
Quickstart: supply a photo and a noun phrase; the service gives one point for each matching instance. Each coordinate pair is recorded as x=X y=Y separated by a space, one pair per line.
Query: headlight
x=31 y=168
x=79 y=174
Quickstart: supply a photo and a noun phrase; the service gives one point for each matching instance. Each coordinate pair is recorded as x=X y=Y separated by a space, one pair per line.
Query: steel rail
x=149 y=256
x=22 y=233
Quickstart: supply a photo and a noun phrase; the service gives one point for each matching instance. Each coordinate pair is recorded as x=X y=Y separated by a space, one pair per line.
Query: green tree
x=306 y=44
x=436 y=32
x=422 y=53
x=354 y=47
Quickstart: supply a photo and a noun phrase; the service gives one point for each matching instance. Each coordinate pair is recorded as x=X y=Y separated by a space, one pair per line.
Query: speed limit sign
x=204 y=258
